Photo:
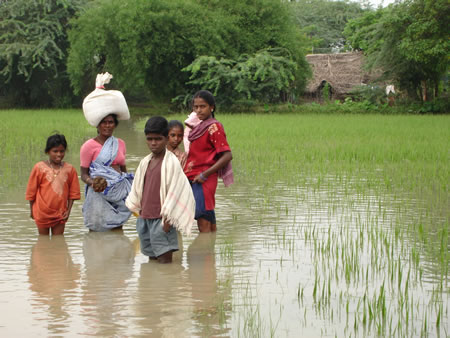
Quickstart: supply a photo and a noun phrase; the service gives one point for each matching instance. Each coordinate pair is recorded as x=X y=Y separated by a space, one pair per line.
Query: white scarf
x=177 y=199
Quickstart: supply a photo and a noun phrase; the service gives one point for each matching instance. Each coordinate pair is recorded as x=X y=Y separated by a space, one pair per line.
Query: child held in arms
x=161 y=195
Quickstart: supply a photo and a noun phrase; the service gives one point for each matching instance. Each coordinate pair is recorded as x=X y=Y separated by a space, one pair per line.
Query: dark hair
x=114 y=116
x=208 y=97
x=176 y=124
x=157 y=125
x=54 y=141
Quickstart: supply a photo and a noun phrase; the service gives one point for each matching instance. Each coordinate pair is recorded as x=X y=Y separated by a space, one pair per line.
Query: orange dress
x=50 y=190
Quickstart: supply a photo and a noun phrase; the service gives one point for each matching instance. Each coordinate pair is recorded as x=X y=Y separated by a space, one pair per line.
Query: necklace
x=55 y=172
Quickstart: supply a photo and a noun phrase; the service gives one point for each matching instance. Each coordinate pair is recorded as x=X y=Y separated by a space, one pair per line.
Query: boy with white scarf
x=161 y=195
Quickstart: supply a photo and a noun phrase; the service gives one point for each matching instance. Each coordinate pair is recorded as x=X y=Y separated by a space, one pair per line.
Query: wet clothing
x=50 y=190
x=153 y=239
x=200 y=210
x=175 y=193
x=106 y=210
x=208 y=140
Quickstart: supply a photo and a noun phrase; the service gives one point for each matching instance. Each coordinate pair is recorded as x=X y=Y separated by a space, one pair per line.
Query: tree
x=34 y=47
x=266 y=76
x=146 y=44
x=409 y=41
x=323 y=21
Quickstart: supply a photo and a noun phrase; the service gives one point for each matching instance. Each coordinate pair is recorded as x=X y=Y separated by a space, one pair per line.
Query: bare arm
x=31 y=209
x=85 y=176
x=69 y=208
x=224 y=159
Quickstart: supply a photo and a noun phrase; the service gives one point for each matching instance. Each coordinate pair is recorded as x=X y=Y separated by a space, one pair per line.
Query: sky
x=376 y=3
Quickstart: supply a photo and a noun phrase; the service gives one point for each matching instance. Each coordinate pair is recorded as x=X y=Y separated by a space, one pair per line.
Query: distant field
x=24 y=134
x=393 y=151
x=397 y=151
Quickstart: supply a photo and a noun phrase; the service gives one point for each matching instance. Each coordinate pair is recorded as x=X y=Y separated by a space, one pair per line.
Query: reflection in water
x=51 y=275
x=163 y=300
x=209 y=301
x=109 y=258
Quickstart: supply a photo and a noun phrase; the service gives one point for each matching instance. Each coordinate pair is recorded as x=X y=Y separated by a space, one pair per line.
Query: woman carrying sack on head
x=102 y=160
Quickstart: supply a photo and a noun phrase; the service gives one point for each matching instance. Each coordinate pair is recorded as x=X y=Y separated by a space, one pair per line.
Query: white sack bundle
x=100 y=103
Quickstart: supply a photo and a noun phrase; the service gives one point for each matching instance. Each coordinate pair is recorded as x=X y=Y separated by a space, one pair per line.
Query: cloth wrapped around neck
x=177 y=199
x=226 y=173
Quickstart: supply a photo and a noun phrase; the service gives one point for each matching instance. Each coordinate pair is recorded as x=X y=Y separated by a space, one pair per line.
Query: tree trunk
x=424 y=91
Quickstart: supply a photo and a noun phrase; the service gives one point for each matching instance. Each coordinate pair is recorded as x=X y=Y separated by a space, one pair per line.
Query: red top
x=91 y=148
x=203 y=151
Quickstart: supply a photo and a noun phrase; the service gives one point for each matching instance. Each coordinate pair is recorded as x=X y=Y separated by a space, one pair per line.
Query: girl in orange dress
x=52 y=188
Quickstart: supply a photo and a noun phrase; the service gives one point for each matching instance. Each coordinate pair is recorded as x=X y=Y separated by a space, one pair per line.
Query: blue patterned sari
x=106 y=210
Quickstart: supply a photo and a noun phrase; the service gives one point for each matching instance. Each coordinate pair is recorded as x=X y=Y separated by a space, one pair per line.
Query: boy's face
x=156 y=143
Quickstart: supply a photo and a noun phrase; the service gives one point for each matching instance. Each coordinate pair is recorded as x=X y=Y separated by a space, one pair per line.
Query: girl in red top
x=209 y=154
x=52 y=188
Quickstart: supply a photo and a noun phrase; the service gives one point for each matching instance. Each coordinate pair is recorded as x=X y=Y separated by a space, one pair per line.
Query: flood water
x=286 y=261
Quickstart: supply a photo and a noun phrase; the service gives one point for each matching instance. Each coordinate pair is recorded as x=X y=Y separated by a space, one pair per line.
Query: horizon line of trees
x=244 y=51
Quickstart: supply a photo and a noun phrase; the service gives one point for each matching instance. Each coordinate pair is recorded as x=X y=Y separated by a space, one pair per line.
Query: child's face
x=156 y=143
x=175 y=137
x=56 y=154
x=202 y=108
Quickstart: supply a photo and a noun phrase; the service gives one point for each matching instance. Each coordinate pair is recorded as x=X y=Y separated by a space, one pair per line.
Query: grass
x=376 y=152
x=24 y=134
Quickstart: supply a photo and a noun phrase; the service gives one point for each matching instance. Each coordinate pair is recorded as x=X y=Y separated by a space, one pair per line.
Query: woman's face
x=106 y=126
x=202 y=108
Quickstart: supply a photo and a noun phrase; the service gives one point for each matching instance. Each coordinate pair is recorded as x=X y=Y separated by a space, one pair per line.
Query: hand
x=99 y=184
x=166 y=226
x=31 y=214
x=200 y=178
x=65 y=215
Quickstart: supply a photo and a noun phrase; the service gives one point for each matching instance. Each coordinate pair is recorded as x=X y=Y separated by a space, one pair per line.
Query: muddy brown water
x=283 y=263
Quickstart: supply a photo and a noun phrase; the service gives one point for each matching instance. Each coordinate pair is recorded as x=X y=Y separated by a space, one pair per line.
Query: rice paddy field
x=336 y=226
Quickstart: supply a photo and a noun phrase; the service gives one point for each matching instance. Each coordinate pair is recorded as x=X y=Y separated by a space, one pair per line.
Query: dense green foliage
x=409 y=41
x=146 y=44
x=323 y=22
x=248 y=52
x=33 y=51
x=266 y=76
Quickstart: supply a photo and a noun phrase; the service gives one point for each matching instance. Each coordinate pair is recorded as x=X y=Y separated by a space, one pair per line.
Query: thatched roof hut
x=341 y=71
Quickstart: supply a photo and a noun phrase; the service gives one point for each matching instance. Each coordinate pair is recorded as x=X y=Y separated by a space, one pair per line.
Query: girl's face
x=106 y=126
x=56 y=154
x=175 y=137
x=202 y=108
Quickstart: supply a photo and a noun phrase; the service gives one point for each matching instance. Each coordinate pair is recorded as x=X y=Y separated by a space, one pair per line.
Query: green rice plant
x=24 y=135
